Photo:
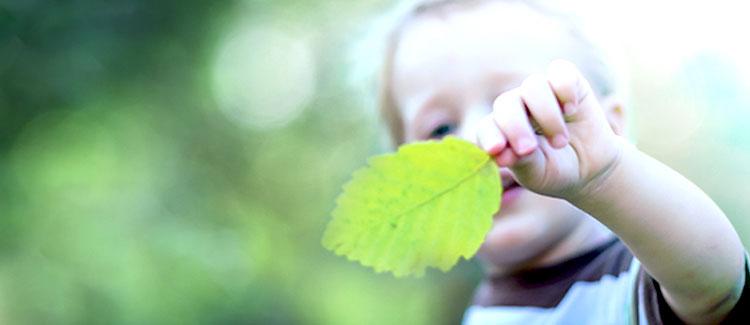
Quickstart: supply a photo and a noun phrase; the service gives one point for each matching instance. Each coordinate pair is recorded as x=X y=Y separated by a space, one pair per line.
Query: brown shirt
x=605 y=285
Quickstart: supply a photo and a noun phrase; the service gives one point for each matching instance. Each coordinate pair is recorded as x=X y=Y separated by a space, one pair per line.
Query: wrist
x=605 y=177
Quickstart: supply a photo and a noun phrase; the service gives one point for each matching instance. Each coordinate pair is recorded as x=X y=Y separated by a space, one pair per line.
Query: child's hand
x=552 y=132
x=694 y=253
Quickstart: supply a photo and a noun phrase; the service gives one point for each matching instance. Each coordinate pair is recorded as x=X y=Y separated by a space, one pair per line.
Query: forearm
x=679 y=234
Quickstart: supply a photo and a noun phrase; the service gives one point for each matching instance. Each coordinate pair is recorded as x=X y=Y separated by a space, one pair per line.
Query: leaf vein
x=473 y=173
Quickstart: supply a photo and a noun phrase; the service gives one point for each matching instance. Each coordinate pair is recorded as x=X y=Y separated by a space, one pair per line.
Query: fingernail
x=500 y=161
x=505 y=158
x=559 y=141
x=495 y=149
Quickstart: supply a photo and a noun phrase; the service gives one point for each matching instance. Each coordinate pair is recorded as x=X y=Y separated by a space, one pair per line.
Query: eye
x=442 y=130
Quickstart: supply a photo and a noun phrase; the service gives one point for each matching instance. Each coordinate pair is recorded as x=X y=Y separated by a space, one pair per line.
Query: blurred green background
x=175 y=162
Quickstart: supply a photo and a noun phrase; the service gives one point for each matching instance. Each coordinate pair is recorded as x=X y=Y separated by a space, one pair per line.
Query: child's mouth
x=511 y=191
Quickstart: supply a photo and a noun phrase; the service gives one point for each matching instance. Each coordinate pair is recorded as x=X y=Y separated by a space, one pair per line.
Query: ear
x=616 y=115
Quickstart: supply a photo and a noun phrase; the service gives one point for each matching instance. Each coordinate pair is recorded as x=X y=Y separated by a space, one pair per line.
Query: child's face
x=447 y=70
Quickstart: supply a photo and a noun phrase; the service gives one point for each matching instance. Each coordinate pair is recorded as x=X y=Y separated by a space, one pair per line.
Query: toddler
x=591 y=230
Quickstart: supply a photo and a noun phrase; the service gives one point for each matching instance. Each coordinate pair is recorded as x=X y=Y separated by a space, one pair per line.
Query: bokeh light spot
x=263 y=77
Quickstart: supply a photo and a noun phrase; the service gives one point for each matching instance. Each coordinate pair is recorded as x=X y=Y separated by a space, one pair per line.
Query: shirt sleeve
x=655 y=310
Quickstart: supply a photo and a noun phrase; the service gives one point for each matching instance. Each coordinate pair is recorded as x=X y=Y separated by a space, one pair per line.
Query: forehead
x=461 y=47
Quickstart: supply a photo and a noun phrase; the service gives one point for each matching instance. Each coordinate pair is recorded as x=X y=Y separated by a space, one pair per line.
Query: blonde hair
x=593 y=62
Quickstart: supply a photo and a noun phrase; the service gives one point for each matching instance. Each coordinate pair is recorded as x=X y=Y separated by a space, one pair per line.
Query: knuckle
x=532 y=86
x=505 y=101
x=566 y=89
x=565 y=79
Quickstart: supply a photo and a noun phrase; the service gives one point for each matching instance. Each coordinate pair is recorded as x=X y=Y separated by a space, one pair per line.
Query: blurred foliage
x=128 y=195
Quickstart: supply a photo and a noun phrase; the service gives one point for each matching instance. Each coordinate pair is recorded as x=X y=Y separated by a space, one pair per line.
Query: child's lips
x=511 y=188
x=510 y=194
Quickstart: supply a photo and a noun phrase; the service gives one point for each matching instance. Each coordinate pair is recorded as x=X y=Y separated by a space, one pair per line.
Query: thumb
x=573 y=91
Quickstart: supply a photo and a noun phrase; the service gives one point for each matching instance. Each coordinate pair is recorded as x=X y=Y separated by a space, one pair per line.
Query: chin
x=527 y=229
x=514 y=240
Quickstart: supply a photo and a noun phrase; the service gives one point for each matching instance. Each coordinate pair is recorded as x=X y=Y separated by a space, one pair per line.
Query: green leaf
x=426 y=205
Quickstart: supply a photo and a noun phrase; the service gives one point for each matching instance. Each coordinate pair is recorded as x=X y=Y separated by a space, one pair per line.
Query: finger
x=537 y=94
x=510 y=116
x=490 y=137
x=506 y=158
x=570 y=87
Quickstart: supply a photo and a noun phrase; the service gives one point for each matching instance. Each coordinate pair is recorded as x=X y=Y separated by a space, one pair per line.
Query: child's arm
x=682 y=238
